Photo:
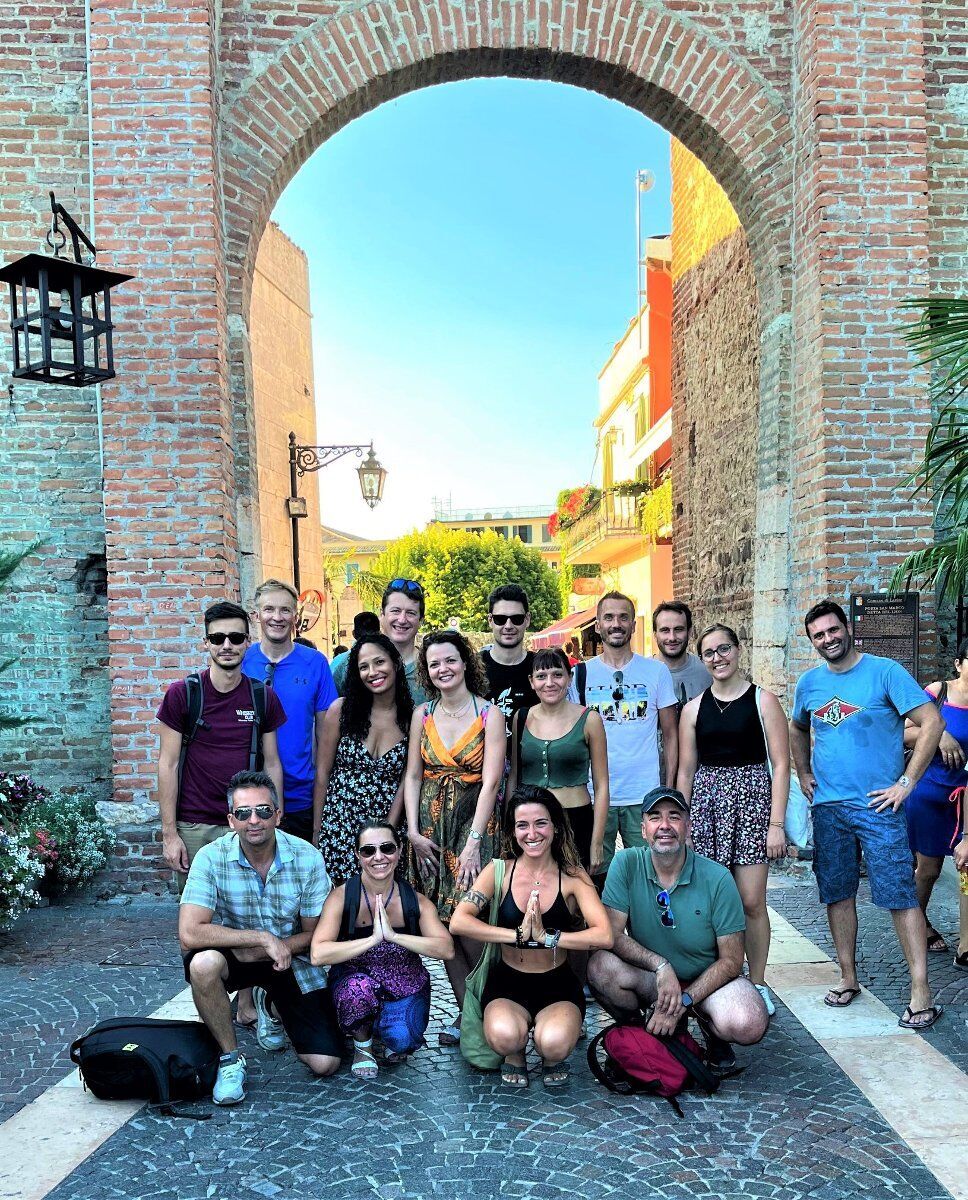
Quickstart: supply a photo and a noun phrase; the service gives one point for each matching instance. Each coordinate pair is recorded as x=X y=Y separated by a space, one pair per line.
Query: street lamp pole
x=303 y=459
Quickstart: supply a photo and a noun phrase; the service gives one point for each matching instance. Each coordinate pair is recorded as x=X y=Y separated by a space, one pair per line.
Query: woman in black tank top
x=734 y=769
x=547 y=907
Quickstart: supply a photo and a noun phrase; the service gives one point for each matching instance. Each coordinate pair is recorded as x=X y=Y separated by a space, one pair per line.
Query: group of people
x=424 y=801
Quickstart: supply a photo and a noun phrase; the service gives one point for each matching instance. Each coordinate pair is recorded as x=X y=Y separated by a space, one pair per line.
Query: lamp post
x=303 y=459
x=60 y=310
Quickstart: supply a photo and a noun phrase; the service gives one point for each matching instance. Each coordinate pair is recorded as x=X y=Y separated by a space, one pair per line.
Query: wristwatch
x=685 y=1000
x=904 y=781
x=475 y=835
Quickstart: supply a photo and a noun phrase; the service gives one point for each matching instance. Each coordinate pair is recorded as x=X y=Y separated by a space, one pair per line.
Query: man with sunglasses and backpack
x=213 y=724
x=679 y=930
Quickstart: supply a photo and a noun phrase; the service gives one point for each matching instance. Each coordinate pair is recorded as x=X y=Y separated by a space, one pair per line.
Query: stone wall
x=715 y=384
x=282 y=377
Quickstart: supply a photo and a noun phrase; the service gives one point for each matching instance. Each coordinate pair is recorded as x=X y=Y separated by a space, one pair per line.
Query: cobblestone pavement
x=792 y=1126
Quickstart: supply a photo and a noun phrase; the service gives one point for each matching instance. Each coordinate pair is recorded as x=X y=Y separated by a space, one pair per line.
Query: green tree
x=10 y=560
x=940 y=340
x=458 y=570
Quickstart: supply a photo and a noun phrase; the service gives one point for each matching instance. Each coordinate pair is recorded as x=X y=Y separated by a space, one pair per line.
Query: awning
x=559 y=633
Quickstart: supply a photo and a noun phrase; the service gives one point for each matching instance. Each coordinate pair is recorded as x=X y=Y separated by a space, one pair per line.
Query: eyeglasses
x=263 y=811
x=409 y=587
x=385 y=848
x=667 y=918
x=219 y=639
x=723 y=651
x=503 y=618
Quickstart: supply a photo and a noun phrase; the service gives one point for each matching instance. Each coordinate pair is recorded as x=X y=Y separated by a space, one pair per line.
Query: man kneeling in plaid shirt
x=247 y=916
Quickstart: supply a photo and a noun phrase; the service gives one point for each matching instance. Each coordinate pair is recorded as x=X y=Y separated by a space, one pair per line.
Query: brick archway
x=693 y=83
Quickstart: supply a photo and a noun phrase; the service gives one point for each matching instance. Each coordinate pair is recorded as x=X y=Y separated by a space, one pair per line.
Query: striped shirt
x=223 y=880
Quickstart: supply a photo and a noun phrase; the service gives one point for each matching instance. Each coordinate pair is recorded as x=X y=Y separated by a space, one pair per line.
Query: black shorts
x=307 y=1017
x=533 y=990
x=582 y=822
x=299 y=824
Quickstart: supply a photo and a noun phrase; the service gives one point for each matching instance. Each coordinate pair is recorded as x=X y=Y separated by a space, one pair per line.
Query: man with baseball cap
x=679 y=930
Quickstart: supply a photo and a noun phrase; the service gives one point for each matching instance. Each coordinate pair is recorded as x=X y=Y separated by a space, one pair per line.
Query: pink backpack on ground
x=636 y=1061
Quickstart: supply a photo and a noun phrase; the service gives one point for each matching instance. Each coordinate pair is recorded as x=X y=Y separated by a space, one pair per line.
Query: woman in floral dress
x=454 y=768
x=362 y=753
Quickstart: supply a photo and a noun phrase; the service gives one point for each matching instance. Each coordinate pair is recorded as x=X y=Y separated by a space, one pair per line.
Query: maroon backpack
x=636 y=1061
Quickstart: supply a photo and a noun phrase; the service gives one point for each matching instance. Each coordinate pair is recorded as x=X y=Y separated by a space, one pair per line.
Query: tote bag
x=473 y=1044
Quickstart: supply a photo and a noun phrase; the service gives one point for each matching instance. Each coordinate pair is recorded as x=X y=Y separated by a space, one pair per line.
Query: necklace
x=386 y=902
x=460 y=712
x=722 y=707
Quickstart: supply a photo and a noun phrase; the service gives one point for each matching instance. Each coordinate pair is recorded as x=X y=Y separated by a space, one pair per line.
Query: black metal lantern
x=372 y=478
x=60 y=311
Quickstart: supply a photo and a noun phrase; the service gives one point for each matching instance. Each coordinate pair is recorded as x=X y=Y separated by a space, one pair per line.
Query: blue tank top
x=956 y=719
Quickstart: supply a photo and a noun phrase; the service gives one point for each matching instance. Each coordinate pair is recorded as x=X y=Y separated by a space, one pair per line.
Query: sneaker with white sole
x=269 y=1032
x=230 y=1081
x=767 y=998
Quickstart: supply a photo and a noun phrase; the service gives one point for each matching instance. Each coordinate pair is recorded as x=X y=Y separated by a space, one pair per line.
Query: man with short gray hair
x=247 y=915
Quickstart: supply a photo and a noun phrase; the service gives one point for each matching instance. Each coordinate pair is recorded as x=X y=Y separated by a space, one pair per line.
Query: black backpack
x=194 y=720
x=142 y=1058
x=351 y=906
x=581 y=680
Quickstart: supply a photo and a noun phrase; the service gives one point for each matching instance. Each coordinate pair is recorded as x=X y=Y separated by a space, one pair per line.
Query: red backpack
x=636 y=1061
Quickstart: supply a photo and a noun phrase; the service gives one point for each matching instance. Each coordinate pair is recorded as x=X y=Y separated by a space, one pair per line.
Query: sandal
x=450 y=1035
x=909 y=1020
x=936 y=943
x=514 y=1075
x=840 y=993
x=393 y=1058
x=555 y=1075
x=961 y=961
x=364 y=1066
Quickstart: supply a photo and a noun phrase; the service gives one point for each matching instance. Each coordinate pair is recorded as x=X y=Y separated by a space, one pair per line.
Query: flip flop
x=514 y=1075
x=908 y=1020
x=850 y=993
x=449 y=1035
x=555 y=1075
x=936 y=943
x=961 y=961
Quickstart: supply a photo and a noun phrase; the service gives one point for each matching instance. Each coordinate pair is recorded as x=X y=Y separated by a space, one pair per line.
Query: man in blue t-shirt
x=301 y=679
x=855 y=705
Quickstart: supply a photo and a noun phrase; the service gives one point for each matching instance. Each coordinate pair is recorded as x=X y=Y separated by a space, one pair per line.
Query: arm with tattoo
x=467 y=922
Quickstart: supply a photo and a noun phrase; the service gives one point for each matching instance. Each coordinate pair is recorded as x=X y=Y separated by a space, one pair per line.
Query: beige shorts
x=195 y=835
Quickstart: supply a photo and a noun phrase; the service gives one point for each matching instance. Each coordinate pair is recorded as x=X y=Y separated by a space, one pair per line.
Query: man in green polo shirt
x=679 y=930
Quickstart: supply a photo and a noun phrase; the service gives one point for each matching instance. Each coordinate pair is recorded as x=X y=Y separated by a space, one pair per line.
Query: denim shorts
x=840 y=831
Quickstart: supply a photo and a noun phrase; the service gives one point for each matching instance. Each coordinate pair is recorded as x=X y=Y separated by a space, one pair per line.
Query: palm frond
x=942 y=567
x=10 y=560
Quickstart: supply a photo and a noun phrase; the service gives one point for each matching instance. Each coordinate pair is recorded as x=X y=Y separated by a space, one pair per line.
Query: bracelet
x=519 y=938
x=777 y=825
x=665 y=963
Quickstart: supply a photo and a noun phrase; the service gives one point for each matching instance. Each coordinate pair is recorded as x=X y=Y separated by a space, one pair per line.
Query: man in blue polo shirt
x=301 y=679
x=680 y=931
x=854 y=705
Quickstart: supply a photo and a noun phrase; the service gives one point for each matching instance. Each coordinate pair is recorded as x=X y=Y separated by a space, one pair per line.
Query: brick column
x=169 y=488
x=860 y=247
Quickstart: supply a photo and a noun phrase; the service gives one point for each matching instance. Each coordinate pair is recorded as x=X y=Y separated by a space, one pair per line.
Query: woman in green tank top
x=554 y=745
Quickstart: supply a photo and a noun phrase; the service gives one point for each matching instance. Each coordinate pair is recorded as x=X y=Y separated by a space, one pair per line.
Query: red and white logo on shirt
x=836 y=711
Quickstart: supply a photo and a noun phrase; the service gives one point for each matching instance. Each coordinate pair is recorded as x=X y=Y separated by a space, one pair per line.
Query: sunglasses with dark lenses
x=385 y=848
x=263 y=811
x=219 y=639
x=409 y=587
x=503 y=618
x=667 y=918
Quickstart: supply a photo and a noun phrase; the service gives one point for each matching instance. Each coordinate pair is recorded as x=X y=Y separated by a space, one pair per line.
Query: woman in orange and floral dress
x=455 y=765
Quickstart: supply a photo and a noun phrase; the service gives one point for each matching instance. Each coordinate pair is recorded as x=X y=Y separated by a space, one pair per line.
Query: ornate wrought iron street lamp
x=303 y=459
x=60 y=310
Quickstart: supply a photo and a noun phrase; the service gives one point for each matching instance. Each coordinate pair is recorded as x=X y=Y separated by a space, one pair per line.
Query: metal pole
x=294 y=521
x=638 y=254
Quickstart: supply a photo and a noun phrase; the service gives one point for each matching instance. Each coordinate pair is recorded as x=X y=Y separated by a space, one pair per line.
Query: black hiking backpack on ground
x=144 y=1058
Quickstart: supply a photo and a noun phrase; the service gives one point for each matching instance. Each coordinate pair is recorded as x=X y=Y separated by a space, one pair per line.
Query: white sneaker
x=230 y=1081
x=269 y=1032
x=767 y=998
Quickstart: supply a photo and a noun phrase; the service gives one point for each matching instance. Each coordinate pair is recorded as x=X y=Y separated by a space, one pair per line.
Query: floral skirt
x=731 y=814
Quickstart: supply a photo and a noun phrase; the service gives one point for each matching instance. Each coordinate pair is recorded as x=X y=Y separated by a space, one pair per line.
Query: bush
x=20 y=873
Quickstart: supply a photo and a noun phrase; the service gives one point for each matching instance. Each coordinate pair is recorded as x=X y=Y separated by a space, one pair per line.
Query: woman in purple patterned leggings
x=372 y=933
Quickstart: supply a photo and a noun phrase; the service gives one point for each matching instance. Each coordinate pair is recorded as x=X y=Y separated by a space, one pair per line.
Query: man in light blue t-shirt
x=855 y=706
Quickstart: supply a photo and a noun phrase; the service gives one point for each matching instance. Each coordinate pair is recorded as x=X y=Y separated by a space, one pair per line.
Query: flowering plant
x=573 y=503
x=20 y=872
x=76 y=841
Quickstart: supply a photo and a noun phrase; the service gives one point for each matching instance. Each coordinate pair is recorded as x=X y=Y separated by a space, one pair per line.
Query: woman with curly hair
x=362 y=753
x=547 y=907
x=454 y=768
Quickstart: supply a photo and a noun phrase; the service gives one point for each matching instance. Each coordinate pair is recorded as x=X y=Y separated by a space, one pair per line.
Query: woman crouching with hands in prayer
x=371 y=934
x=548 y=907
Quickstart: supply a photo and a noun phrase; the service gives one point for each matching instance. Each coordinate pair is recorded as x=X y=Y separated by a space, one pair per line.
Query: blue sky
x=472 y=262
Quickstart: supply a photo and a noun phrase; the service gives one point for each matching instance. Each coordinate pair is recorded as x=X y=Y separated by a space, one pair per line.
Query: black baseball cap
x=657 y=795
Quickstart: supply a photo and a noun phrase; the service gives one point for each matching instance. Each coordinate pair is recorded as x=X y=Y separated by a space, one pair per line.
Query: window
x=501 y=530
x=546 y=533
x=524 y=532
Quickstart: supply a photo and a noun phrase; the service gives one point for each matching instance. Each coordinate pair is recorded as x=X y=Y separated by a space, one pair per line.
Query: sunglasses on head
x=263 y=811
x=409 y=587
x=503 y=618
x=385 y=848
x=219 y=639
x=667 y=918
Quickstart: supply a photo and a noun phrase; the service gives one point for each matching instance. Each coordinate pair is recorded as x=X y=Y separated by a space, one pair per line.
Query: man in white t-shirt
x=635 y=698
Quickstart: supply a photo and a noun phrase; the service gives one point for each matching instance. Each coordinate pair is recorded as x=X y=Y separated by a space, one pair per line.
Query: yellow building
x=627 y=530
x=527 y=523
x=344 y=556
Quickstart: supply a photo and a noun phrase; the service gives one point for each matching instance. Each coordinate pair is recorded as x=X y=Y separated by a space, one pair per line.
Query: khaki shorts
x=195 y=835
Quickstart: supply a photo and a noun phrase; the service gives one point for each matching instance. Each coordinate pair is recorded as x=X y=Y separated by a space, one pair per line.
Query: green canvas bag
x=473 y=1044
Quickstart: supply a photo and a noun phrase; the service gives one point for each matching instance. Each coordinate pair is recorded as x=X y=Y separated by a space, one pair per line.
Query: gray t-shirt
x=689 y=679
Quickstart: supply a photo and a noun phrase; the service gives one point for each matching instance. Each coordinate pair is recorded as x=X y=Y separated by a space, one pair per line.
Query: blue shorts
x=840 y=831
